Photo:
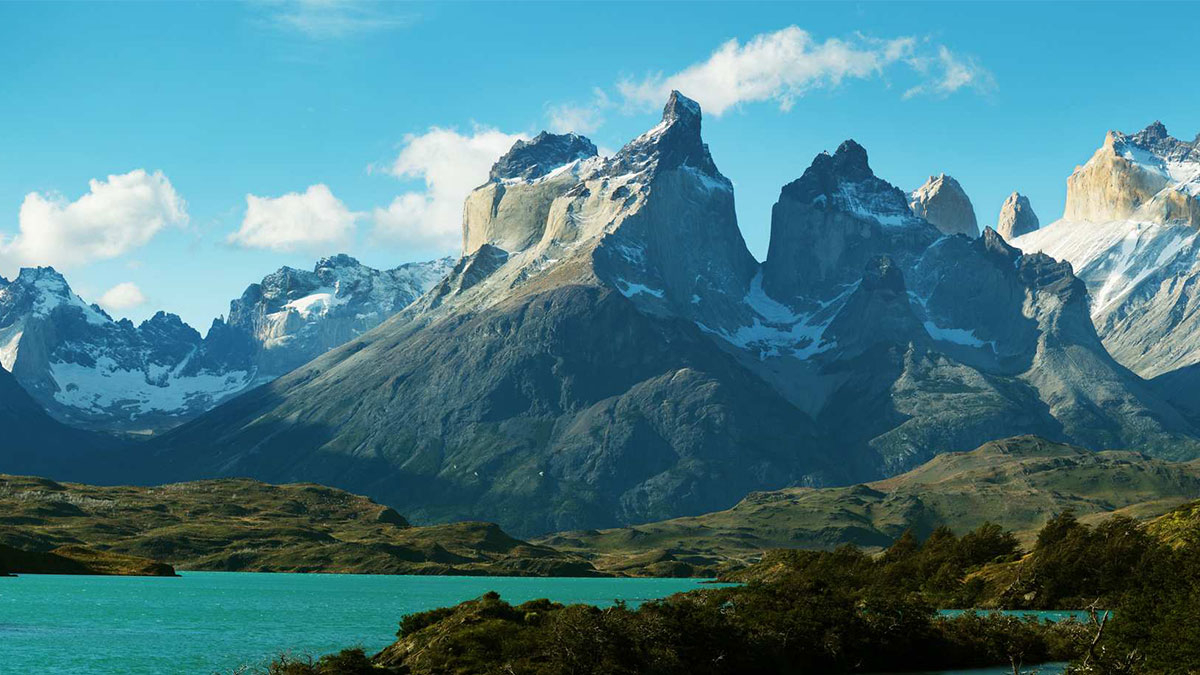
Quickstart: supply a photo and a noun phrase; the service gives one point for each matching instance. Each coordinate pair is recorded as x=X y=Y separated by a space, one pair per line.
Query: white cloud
x=335 y=19
x=950 y=72
x=451 y=165
x=579 y=118
x=787 y=64
x=117 y=215
x=313 y=220
x=779 y=66
x=123 y=296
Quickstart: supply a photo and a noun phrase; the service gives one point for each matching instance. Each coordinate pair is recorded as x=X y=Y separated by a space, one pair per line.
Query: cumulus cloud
x=117 y=215
x=313 y=220
x=451 y=164
x=121 y=297
x=335 y=19
x=948 y=73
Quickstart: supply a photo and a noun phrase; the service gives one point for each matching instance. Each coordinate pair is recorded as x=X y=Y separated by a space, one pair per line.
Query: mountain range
x=97 y=373
x=607 y=351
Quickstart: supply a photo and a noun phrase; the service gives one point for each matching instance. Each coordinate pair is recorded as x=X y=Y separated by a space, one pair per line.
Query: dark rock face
x=564 y=409
x=35 y=444
x=535 y=158
x=675 y=142
x=831 y=221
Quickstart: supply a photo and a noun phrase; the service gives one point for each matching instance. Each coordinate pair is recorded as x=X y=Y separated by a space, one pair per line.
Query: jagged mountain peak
x=674 y=142
x=943 y=202
x=335 y=261
x=541 y=155
x=1156 y=140
x=844 y=181
x=41 y=290
x=162 y=318
x=1016 y=217
x=1147 y=177
x=680 y=107
x=1155 y=131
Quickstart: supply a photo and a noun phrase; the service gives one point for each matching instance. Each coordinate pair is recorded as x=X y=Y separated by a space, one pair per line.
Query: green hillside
x=244 y=525
x=1018 y=483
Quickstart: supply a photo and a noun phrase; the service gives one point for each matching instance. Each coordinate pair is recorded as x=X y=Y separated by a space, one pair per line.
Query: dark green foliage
x=843 y=611
x=1073 y=564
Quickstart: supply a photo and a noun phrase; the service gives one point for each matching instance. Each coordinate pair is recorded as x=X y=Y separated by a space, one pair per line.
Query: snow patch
x=631 y=289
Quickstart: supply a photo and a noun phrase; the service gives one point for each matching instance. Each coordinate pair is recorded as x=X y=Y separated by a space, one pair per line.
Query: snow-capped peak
x=844 y=181
x=1157 y=151
x=41 y=290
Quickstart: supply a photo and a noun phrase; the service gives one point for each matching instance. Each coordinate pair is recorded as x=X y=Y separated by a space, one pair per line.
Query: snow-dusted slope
x=292 y=316
x=1129 y=230
x=91 y=371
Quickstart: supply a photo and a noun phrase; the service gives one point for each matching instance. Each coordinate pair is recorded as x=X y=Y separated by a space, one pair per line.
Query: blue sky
x=334 y=103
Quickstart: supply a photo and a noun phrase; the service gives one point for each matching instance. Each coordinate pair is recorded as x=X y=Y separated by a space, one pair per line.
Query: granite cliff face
x=943 y=202
x=608 y=351
x=831 y=221
x=510 y=210
x=91 y=371
x=1129 y=231
x=1016 y=217
x=1146 y=177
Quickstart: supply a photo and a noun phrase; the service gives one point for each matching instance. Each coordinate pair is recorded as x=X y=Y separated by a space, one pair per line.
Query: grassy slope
x=244 y=525
x=1018 y=483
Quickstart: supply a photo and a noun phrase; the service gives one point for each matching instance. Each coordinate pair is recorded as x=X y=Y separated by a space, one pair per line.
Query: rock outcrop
x=1129 y=231
x=1148 y=177
x=943 y=202
x=510 y=210
x=1016 y=217
x=834 y=219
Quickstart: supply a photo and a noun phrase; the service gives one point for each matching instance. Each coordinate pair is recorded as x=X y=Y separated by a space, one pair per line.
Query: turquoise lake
x=205 y=622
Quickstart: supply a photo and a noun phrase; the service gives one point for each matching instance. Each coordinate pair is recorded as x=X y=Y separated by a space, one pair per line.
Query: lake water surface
x=206 y=622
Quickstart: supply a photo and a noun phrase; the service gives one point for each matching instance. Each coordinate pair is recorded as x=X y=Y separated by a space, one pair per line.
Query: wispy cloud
x=335 y=19
x=780 y=67
x=948 y=72
x=580 y=118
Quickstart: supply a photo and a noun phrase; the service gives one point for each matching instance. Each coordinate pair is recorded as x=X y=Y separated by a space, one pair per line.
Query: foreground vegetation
x=845 y=611
x=245 y=525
